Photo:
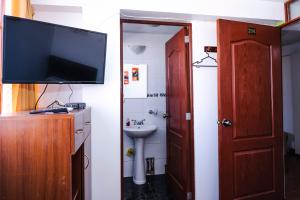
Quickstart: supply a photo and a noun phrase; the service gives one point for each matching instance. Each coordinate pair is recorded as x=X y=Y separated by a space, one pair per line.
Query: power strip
x=76 y=106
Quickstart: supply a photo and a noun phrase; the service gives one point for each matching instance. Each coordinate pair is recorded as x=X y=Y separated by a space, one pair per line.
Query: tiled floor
x=292 y=178
x=154 y=189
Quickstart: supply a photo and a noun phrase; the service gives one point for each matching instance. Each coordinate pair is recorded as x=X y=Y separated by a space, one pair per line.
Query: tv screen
x=39 y=52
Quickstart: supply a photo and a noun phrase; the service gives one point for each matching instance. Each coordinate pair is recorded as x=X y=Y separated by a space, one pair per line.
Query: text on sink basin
x=138 y=123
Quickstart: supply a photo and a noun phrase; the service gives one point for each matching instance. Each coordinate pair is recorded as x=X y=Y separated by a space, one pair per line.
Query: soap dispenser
x=127 y=122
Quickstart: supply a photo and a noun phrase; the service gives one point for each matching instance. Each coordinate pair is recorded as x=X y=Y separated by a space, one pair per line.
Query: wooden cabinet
x=42 y=156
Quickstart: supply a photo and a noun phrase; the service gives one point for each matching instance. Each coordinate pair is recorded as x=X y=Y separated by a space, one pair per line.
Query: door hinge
x=186 y=39
x=188 y=116
x=189 y=196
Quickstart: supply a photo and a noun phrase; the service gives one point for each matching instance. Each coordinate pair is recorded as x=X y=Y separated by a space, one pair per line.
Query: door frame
x=293 y=21
x=190 y=80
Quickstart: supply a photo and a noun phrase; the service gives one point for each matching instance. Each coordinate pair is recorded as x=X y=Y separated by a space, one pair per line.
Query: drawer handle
x=79 y=131
x=87 y=123
x=88 y=161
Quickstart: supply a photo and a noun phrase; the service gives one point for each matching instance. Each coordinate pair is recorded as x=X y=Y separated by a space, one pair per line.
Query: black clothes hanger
x=197 y=63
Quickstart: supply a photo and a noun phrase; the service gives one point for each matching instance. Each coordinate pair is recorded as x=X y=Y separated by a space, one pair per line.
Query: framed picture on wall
x=126 y=77
x=135 y=74
x=135 y=84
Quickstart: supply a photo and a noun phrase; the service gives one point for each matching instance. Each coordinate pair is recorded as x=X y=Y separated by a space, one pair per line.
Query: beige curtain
x=22 y=8
x=2 y=7
x=23 y=95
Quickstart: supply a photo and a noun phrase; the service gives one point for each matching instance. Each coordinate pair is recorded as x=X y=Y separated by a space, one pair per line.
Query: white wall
x=137 y=109
x=291 y=93
x=59 y=16
x=205 y=115
x=288 y=110
x=105 y=103
x=288 y=101
x=104 y=99
x=65 y=17
x=295 y=60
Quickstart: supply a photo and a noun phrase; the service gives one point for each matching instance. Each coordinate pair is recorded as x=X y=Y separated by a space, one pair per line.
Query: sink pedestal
x=139 y=176
x=139 y=133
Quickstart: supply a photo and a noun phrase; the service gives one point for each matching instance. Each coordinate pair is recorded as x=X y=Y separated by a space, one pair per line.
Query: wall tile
x=156 y=104
x=160 y=166
x=156 y=84
x=127 y=169
x=157 y=137
x=155 y=150
x=127 y=143
x=158 y=163
x=134 y=105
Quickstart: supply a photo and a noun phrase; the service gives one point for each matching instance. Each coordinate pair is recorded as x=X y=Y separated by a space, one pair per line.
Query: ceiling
x=276 y=0
x=150 y=28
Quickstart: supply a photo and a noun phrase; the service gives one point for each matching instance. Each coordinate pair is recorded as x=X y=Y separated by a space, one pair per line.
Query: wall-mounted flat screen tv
x=39 y=52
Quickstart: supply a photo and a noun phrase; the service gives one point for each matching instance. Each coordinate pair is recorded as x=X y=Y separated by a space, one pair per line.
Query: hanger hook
x=196 y=64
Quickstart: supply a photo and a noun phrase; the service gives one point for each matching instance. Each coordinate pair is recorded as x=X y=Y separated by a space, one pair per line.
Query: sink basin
x=140 y=131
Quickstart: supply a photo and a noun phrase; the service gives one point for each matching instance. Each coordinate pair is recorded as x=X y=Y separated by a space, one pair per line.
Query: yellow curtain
x=23 y=95
x=2 y=6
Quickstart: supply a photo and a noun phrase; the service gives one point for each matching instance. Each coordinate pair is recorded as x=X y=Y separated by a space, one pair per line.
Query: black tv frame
x=5 y=17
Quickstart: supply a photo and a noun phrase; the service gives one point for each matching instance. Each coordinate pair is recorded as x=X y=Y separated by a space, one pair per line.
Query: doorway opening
x=157 y=140
x=290 y=35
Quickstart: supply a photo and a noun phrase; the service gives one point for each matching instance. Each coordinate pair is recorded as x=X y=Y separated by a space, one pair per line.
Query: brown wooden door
x=178 y=130
x=250 y=96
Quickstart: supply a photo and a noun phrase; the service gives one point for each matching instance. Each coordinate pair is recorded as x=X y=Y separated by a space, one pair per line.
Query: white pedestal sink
x=138 y=133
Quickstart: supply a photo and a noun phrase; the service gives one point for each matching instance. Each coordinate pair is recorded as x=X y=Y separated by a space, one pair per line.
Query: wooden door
x=178 y=130
x=250 y=99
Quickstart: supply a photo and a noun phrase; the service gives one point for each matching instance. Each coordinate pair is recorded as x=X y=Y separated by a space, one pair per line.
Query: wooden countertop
x=27 y=114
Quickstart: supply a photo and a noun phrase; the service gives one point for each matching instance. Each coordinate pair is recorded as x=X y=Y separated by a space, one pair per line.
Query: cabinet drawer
x=78 y=121
x=79 y=137
x=87 y=115
x=87 y=129
x=82 y=128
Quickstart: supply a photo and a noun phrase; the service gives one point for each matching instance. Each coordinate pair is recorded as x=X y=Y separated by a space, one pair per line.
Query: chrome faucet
x=138 y=123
